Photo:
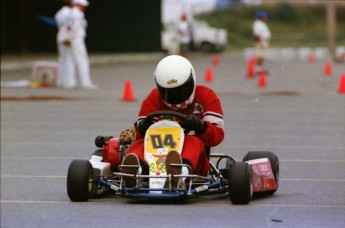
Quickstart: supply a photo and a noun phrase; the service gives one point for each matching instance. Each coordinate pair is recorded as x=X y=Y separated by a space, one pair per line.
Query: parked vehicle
x=204 y=37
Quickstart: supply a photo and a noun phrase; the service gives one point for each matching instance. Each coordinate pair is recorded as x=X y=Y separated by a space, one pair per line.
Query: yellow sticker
x=159 y=138
x=159 y=141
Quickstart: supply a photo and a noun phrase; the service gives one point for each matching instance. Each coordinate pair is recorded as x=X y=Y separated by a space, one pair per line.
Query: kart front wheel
x=80 y=180
x=240 y=185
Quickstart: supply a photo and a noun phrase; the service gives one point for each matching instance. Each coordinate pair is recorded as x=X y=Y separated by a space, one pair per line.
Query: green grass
x=290 y=25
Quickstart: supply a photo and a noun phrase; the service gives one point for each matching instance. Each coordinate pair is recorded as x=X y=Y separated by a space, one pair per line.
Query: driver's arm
x=149 y=105
x=213 y=117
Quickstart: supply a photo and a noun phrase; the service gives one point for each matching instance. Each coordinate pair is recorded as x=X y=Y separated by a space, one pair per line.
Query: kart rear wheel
x=274 y=164
x=240 y=185
x=80 y=180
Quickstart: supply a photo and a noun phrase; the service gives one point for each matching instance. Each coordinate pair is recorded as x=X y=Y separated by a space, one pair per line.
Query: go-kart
x=258 y=173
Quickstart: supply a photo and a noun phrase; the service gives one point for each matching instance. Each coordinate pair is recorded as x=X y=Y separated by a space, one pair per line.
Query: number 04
x=158 y=142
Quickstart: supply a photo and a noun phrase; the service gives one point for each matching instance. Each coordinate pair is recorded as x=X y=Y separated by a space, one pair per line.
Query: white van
x=205 y=38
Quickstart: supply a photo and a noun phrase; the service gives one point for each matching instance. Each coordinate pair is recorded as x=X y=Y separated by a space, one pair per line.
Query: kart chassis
x=257 y=173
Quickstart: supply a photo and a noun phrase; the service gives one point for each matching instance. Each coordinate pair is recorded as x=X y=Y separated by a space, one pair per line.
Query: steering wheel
x=168 y=113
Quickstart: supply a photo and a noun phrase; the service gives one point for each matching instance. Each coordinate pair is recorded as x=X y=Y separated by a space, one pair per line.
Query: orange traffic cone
x=311 y=58
x=328 y=69
x=215 y=60
x=209 y=74
x=128 y=92
x=342 y=84
x=262 y=82
x=251 y=68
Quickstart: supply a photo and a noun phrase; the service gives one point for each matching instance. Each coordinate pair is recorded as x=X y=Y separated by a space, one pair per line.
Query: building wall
x=113 y=25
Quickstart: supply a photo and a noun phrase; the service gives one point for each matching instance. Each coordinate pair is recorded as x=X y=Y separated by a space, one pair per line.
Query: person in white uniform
x=184 y=36
x=73 y=57
x=262 y=36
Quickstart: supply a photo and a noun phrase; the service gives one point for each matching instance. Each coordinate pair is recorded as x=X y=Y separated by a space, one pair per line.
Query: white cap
x=80 y=2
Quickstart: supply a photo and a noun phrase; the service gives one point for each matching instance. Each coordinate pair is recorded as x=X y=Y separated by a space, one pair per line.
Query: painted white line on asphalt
x=193 y=204
x=327 y=148
x=33 y=201
x=282 y=179
x=45 y=143
x=30 y=176
x=317 y=180
x=72 y=158
x=44 y=158
x=288 y=136
x=312 y=161
x=33 y=132
x=297 y=205
x=336 y=127
x=43 y=132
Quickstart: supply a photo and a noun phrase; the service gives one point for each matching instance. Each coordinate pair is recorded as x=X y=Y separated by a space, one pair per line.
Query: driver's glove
x=193 y=123
x=143 y=126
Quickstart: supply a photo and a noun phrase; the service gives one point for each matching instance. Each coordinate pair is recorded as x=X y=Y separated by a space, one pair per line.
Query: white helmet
x=176 y=81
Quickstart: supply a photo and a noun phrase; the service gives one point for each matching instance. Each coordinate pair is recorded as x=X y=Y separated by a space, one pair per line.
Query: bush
x=291 y=25
x=285 y=12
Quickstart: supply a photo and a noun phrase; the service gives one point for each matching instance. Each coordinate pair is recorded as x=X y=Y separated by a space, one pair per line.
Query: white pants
x=73 y=60
x=261 y=48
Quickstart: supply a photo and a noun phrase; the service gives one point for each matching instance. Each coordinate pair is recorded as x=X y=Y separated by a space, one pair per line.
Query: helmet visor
x=178 y=94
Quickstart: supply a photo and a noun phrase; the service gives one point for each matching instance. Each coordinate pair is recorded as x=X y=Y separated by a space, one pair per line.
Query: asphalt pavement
x=299 y=115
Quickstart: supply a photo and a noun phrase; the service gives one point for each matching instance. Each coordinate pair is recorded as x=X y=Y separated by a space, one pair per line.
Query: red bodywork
x=262 y=175
x=111 y=153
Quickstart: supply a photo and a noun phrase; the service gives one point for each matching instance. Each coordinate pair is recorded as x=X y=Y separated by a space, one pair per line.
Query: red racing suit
x=206 y=105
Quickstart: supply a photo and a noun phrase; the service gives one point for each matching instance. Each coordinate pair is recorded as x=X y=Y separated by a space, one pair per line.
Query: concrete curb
x=25 y=62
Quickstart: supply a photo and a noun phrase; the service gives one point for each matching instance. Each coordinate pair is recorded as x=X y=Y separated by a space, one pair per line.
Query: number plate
x=167 y=138
x=158 y=142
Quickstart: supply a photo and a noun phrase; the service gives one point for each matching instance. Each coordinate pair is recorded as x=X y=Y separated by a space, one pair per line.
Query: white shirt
x=71 y=23
x=184 y=33
x=261 y=29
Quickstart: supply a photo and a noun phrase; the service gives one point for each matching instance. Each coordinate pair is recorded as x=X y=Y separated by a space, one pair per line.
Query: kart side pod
x=262 y=175
x=111 y=153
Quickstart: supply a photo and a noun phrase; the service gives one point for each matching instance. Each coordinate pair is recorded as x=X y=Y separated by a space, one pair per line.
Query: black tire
x=240 y=185
x=80 y=180
x=274 y=164
x=206 y=47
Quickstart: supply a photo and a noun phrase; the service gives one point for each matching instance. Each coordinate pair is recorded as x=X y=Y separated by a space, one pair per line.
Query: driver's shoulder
x=204 y=91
